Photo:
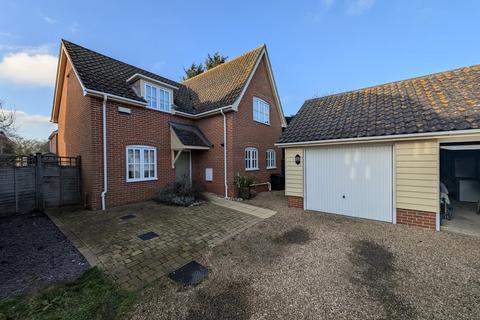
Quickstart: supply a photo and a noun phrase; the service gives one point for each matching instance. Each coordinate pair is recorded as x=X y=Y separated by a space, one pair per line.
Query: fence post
x=39 y=182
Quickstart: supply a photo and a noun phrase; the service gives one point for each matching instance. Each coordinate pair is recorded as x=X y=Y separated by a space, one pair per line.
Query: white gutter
x=376 y=138
x=104 y=133
x=203 y=114
x=113 y=97
x=225 y=151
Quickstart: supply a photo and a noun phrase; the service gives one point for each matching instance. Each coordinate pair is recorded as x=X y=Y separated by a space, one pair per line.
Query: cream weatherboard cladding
x=294 y=172
x=417 y=175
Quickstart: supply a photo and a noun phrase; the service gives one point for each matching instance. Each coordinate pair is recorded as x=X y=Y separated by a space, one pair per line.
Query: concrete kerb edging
x=79 y=244
x=258 y=212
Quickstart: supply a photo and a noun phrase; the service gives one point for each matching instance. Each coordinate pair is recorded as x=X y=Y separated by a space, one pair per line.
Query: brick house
x=137 y=131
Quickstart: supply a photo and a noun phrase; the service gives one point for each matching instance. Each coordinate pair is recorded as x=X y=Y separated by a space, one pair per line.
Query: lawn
x=92 y=296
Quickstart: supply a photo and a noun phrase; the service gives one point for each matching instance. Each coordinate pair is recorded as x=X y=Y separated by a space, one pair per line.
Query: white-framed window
x=270 y=156
x=261 y=111
x=157 y=98
x=141 y=163
x=251 y=159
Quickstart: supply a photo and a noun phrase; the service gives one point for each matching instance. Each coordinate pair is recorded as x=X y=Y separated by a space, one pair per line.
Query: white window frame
x=261 y=111
x=142 y=163
x=166 y=105
x=251 y=159
x=270 y=157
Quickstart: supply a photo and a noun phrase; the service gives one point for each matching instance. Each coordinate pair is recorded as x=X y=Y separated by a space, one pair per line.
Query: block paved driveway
x=112 y=243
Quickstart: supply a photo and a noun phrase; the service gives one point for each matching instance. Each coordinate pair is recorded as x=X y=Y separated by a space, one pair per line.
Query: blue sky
x=316 y=47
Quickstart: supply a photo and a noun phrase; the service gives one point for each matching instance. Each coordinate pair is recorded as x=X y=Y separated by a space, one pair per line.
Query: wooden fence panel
x=38 y=182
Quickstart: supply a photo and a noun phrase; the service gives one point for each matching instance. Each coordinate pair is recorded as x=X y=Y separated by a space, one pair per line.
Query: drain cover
x=148 y=236
x=190 y=274
x=128 y=217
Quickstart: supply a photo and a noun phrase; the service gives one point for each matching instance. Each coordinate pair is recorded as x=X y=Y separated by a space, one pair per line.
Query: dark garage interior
x=460 y=174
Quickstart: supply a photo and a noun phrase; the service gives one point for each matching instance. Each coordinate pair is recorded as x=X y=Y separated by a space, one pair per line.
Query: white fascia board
x=113 y=97
x=250 y=76
x=149 y=79
x=396 y=137
x=275 y=90
x=58 y=82
x=264 y=53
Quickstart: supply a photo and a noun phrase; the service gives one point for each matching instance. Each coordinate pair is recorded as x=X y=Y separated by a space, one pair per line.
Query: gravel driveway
x=307 y=265
x=34 y=254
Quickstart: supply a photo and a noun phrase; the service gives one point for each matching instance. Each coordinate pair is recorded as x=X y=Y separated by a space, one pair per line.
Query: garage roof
x=445 y=101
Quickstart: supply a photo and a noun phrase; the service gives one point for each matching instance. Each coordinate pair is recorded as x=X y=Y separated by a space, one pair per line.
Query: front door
x=182 y=167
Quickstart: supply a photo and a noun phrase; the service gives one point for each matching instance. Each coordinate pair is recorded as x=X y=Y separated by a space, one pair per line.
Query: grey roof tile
x=445 y=101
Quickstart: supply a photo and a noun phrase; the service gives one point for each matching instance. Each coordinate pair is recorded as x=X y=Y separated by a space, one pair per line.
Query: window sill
x=265 y=124
x=142 y=180
x=271 y=168
x=164 y=111
x=254 y=169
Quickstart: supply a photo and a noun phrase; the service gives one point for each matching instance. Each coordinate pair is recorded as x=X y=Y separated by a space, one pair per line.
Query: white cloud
x=34 y=126
x=48 y=19
x=74 y=27
x=327 y=3
x=357 y=7
x=5 y=34
x=30 y=68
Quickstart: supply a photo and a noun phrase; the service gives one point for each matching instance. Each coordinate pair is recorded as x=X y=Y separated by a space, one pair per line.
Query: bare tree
x=25 y=146
x=7 y=121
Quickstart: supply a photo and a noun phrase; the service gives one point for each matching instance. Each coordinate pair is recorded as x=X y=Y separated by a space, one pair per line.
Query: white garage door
x=355 y=181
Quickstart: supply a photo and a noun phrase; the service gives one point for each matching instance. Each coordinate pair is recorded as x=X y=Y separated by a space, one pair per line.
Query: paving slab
x=113 y=243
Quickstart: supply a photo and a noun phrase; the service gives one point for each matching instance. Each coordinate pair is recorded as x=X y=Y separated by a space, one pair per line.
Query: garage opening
x=460 y=187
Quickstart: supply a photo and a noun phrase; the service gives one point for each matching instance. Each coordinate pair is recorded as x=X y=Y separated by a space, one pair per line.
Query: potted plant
x=243 y=184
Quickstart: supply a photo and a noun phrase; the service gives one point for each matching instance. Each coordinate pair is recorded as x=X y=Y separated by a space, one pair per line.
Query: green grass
x=92 y=297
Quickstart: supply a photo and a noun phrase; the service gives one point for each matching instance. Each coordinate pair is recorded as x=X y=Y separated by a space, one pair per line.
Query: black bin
x=277 y=181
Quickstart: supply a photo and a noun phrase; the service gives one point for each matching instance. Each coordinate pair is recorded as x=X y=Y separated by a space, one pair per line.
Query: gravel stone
x=309 y=265
x=35 y=254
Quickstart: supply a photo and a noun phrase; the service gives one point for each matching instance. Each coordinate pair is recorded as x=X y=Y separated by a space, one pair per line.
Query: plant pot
x=244 y=193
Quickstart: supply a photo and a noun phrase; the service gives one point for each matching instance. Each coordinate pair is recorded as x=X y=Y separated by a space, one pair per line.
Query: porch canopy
x=186 y=137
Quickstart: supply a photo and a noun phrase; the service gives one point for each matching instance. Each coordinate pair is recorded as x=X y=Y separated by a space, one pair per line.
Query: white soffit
x=462 y=147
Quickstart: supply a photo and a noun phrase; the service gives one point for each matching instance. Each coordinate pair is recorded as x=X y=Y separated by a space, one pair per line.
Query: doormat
x=190 y=274
x=128 y=217
x=148 y=236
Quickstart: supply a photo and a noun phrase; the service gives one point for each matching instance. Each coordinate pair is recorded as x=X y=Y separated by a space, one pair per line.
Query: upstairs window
x=261 y=111
x=270 y=156
x=157 y=98
x=141 y=163
x=251 y=159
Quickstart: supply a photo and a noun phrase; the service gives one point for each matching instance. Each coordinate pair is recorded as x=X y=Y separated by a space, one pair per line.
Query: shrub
x=243 y=184
x=181 y=193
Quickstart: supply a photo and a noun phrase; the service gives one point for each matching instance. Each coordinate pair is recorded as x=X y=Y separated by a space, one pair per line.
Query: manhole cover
x=148 y=236
x=190 y=274
x=128 y=217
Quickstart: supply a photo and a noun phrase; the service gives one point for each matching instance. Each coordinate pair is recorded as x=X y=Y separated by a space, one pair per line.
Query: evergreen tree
x=215 y=60
x=193 y=71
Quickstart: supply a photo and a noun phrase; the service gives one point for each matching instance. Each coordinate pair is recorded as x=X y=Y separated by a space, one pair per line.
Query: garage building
x=375 y=153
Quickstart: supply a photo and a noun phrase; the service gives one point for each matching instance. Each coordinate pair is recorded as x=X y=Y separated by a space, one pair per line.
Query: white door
x=354 y=181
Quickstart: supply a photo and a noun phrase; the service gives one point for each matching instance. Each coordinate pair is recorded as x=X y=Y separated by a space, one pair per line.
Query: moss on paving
x=92 y=296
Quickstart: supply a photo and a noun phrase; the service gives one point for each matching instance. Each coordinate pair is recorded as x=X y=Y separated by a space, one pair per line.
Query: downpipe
x=104 y=134
x=225 y=152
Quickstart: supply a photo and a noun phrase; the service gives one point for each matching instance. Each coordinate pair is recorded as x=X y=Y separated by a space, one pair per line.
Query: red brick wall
x=80 y=133
x=295 y=202
x=422 y=219
x=212 y=127
x=242 y=132
x=141 y=127
x=249 y=133
x=75 y=131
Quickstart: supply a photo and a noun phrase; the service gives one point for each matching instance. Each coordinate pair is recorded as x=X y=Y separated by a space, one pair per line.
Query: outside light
x=297 y=159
